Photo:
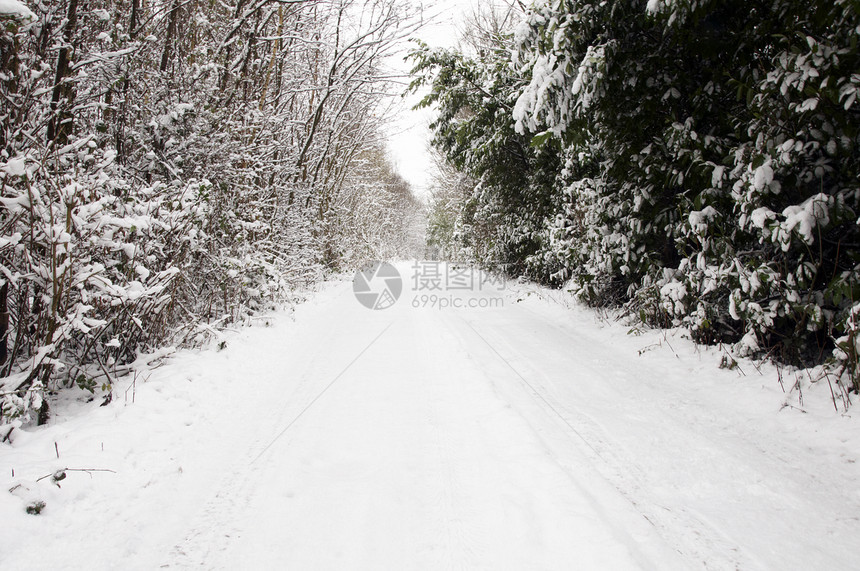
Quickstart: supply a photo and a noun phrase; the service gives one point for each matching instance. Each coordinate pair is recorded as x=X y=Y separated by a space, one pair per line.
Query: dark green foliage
x=694 y=160
x=475 y=130
x=35 y=508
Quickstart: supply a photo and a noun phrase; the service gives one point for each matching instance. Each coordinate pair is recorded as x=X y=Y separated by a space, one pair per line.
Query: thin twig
x=87 y=470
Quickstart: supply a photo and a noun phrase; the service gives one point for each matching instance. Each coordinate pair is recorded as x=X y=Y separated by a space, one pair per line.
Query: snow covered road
x=527 y=435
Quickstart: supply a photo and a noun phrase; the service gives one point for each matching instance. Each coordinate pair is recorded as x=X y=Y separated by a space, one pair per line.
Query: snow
x=699 y=219
x=673 y=294
x=762 y=177
x=762 y=216
x=805 y=217
x=528 y=435
x=15 y=8
x=15 y=166
x=717 y=176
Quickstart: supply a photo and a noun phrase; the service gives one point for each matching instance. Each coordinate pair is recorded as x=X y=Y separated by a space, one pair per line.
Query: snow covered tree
x=449 y=189
x=475 y=95
x=695 y=161
x=167 y=168
x=726 y=189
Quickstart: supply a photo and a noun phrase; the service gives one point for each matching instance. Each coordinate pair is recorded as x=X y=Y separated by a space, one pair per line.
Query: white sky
x=409 y=137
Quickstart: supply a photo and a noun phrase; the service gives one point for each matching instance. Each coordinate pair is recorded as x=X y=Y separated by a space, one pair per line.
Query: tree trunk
x=4 y=322
x=60 y=126
x=119 y=137
x=171 y=35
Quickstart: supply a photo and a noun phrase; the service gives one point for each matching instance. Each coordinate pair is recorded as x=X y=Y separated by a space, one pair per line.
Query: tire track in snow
x=709 y=545
x=693 y=425
x=450 y=491
x=216 y=526
x=586 y=454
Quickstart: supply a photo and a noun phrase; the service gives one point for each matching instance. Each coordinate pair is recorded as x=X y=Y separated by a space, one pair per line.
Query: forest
x=169 y=168
x=692 y=162
x=614 y=324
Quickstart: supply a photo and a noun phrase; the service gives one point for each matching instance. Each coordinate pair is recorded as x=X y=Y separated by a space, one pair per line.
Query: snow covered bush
x=169 y=168
x=502 y=221
x=724 y=135
x=88 y=275
x=705 y=168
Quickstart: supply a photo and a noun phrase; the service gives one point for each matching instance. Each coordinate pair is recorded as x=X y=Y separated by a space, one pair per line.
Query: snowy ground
x=528 y=436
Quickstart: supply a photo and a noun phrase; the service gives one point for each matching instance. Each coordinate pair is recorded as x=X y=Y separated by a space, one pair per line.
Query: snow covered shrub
x=89 y=275
x=847 y=351
x=503 y=219
x=795 y=181
x=695 y=161
x=771 y=241
x=726 y=141
x=168 y=168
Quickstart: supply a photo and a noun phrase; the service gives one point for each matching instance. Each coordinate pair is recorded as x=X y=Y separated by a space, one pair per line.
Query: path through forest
x=524 y=434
